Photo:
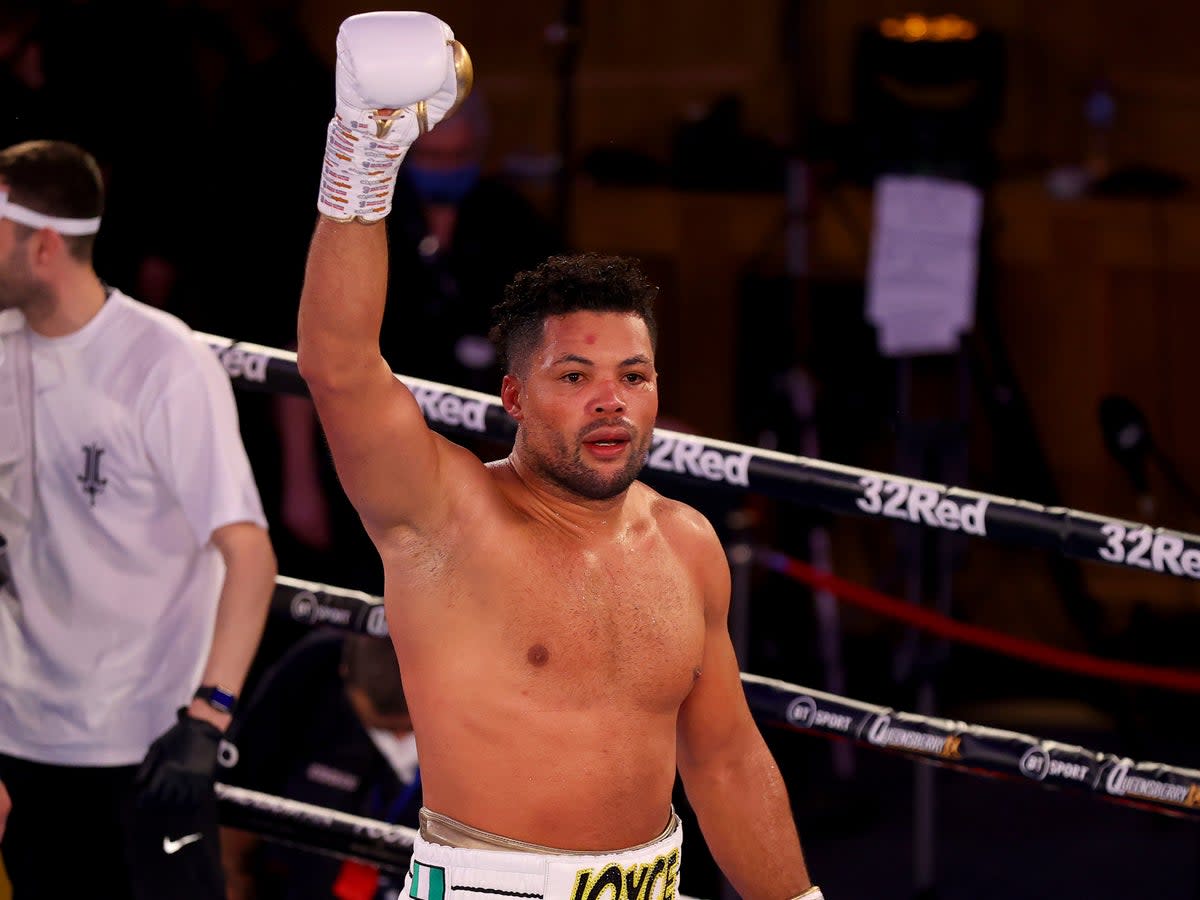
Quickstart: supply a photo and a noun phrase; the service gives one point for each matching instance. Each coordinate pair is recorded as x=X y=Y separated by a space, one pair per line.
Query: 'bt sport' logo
x=308 y=609
x=375 y=623
x=803 y=712
x=1036 y=763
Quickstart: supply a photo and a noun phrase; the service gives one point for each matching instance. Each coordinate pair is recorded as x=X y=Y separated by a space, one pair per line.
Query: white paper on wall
x=923 y=263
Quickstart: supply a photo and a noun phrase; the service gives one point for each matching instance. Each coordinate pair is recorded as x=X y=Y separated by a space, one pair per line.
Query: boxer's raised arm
x=398 y=74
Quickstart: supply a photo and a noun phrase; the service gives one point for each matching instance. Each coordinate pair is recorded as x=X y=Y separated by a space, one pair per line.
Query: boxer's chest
x=626 y=620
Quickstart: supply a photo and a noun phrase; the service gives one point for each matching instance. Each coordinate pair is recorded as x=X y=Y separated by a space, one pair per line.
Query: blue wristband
x=217 y=697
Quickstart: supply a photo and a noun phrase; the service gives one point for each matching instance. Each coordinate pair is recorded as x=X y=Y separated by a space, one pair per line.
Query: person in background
x=137 y=569
x=327 y=725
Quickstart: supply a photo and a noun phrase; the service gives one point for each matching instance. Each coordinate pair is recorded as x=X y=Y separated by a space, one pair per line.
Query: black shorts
x=76 y=831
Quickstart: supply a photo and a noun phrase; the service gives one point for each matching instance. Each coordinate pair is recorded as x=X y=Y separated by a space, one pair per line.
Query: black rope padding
x=977 y=749
x=836 y=488
x=316 y=829
x=973 y=748
x=310 y=603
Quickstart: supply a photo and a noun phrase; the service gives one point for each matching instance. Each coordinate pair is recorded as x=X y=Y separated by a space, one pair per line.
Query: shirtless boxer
x=561 y=628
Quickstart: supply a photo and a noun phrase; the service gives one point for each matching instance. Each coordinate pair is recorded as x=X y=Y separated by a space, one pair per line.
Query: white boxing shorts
x=483 y=871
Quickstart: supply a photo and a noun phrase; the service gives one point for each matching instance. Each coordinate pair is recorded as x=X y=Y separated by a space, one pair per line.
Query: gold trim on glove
x=464 y=76
x=464 y=72
x=383 y=123
x=813 y=893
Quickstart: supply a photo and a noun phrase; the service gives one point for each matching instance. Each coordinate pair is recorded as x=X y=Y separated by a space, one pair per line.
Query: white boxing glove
x=398 y=75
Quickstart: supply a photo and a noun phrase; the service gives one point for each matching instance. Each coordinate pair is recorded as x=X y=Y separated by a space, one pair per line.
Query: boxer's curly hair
x=581 y=282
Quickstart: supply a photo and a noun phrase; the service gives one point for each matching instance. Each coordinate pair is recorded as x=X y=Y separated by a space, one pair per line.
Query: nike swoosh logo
x=170 y=846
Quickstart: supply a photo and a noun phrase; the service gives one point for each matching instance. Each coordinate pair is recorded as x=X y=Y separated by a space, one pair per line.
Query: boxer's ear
x=510 y=396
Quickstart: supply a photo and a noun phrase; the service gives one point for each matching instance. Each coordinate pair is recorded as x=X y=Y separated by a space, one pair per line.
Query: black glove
x=178 y=769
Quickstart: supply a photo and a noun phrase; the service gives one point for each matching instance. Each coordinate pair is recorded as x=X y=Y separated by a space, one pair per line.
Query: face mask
x=443 y=185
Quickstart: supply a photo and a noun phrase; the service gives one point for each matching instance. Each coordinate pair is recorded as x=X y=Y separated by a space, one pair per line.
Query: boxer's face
x=587 y=403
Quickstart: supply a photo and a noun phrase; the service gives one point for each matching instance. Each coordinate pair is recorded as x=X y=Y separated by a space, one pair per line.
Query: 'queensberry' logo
x=676 y=454
x=1122 y=781
x=882 y=732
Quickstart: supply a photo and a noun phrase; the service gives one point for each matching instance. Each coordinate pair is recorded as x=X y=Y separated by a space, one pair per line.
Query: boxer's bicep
x=389 y=463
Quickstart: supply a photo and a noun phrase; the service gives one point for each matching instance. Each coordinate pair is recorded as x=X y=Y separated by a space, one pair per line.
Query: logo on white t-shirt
x=91 y=479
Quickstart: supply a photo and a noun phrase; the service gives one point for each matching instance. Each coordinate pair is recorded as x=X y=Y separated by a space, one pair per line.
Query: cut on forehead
x=562 y=285
x=592 y=336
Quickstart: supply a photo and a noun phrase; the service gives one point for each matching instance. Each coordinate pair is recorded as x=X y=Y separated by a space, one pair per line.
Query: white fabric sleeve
x=194 y=442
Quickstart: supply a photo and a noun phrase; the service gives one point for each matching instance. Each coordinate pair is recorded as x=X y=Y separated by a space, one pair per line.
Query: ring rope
x=830 y=486
x=317 y=829
x=1157 y=787
x=946 y=627
x=978 y=749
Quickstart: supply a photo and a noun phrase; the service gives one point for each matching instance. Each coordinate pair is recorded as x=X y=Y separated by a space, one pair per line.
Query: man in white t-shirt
x=138 y=568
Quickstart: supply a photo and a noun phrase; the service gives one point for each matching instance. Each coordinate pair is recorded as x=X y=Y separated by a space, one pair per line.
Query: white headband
x=17 y=213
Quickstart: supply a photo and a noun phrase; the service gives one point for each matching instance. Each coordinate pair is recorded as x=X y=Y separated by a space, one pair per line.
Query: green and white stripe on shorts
x=428 y=882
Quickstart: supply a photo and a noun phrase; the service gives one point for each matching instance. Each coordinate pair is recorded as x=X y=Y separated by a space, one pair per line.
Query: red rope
x=943 y=626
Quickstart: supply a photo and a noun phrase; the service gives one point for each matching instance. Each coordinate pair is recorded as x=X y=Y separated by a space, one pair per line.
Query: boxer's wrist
x=813 y=893
x=199 y=709
x=358 y=178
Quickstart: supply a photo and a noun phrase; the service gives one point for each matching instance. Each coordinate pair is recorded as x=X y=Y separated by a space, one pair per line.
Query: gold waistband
x=439 y=829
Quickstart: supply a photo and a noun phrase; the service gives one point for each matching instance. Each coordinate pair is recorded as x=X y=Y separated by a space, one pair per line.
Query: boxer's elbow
x=331 y=366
